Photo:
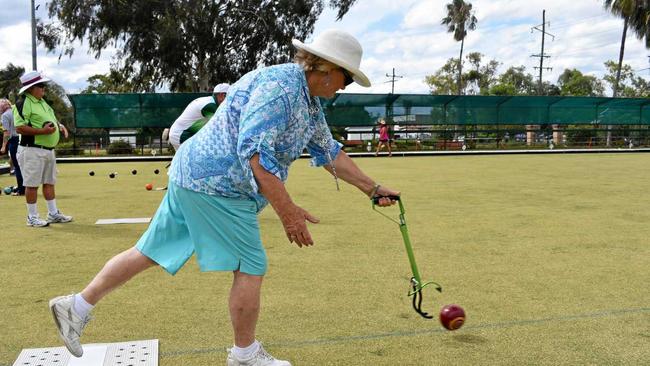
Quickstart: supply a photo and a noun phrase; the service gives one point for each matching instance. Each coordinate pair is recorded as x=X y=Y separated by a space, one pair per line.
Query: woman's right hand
x=294 y=221
x=382 y=193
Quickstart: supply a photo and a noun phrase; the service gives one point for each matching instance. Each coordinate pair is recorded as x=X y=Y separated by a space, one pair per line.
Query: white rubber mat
x=137 y=220
x=133 y=353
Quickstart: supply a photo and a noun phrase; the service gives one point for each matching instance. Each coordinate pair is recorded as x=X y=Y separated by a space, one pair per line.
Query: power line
x=647 y=68
x=612 y=42
x=564 y=24
x=542 y=55
x=616 y=30
x=606 y=34
x=576 y=51
x=392 y=80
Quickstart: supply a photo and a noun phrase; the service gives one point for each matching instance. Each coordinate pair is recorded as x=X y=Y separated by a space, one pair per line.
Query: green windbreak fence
x=415 y=109
x=129 y=110
x=161 y=109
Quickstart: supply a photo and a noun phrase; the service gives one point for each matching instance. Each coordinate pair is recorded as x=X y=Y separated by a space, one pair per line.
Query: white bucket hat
x=30 y=79
x=221 y=88
x=340 y=48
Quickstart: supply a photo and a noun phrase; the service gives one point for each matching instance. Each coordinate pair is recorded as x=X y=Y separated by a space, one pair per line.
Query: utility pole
x=542 y=56
x=393 y=78
x=33 y=36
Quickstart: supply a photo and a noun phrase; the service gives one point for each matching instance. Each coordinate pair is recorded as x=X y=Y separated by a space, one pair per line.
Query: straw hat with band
x=30 y=79
x=339 y=48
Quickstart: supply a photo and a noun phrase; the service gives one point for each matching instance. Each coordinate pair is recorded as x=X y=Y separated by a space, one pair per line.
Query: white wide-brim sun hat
x=339 y=48
x=30 y=79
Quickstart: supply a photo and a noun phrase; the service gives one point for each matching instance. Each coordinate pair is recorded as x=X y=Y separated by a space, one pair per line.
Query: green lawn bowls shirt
x=193 y=118
x=35 y=113
x=267 y=112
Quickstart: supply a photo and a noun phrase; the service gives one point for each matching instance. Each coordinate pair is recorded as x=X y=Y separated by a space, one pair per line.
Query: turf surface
x=548 y=255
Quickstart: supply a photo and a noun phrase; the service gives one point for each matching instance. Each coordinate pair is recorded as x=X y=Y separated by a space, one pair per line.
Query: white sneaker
x=36 y=221
x=69 y=324
x=260 y=358
x=58 y=217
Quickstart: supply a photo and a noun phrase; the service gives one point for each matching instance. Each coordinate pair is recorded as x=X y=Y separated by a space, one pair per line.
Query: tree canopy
x=482 y=79
x=187 y=45
x=444 y=80
x=574 y=82
x=112 y=82
x=629 y=84
x=10 y=81
x=515 y=81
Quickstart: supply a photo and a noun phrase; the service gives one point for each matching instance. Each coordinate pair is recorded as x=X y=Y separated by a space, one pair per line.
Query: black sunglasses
x=348 y=77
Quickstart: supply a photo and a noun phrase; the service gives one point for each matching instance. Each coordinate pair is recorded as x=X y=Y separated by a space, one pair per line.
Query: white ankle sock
x=51 y=206
x=32 y=209
x=246 y=352
x=81 y=306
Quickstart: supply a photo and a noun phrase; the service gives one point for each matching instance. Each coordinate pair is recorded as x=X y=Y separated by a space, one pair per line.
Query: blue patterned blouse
x=268 y=112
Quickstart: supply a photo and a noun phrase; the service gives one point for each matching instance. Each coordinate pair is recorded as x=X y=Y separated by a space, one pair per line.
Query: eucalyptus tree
x=629 y=84
x=514 y=81
x=186 y=45
x=572 y=82
x=444 y=81
x=10 y=81
x=480 y=77
x=112 y=82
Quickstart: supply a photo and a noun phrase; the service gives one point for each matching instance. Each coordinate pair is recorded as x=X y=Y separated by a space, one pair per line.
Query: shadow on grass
x=470 y=338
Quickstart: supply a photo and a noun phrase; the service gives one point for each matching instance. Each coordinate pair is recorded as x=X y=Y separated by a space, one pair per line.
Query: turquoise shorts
x=223 y=232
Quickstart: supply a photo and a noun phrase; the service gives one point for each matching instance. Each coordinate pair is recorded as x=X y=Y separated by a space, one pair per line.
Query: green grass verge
x=548 y=255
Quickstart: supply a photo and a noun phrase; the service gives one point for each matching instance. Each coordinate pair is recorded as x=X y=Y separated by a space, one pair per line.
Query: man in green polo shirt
x=39 y=134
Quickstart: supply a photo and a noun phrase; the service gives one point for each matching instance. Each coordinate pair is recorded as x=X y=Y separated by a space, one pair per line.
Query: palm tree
x=635 y=13
x=459 y=19
x=622 y=8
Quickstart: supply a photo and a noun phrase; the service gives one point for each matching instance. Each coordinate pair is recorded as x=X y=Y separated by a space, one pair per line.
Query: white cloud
x=71 y=73
x=585 y=37
x=425 y=14
x=407 y=35
x=18 y=47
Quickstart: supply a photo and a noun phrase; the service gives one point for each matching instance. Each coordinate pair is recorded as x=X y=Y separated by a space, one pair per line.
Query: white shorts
x=38 y=166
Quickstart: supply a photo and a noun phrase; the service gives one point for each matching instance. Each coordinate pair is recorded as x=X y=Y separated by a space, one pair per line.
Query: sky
x=405 y=35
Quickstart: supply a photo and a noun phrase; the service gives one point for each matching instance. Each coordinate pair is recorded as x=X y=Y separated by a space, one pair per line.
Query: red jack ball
x=452 y=316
